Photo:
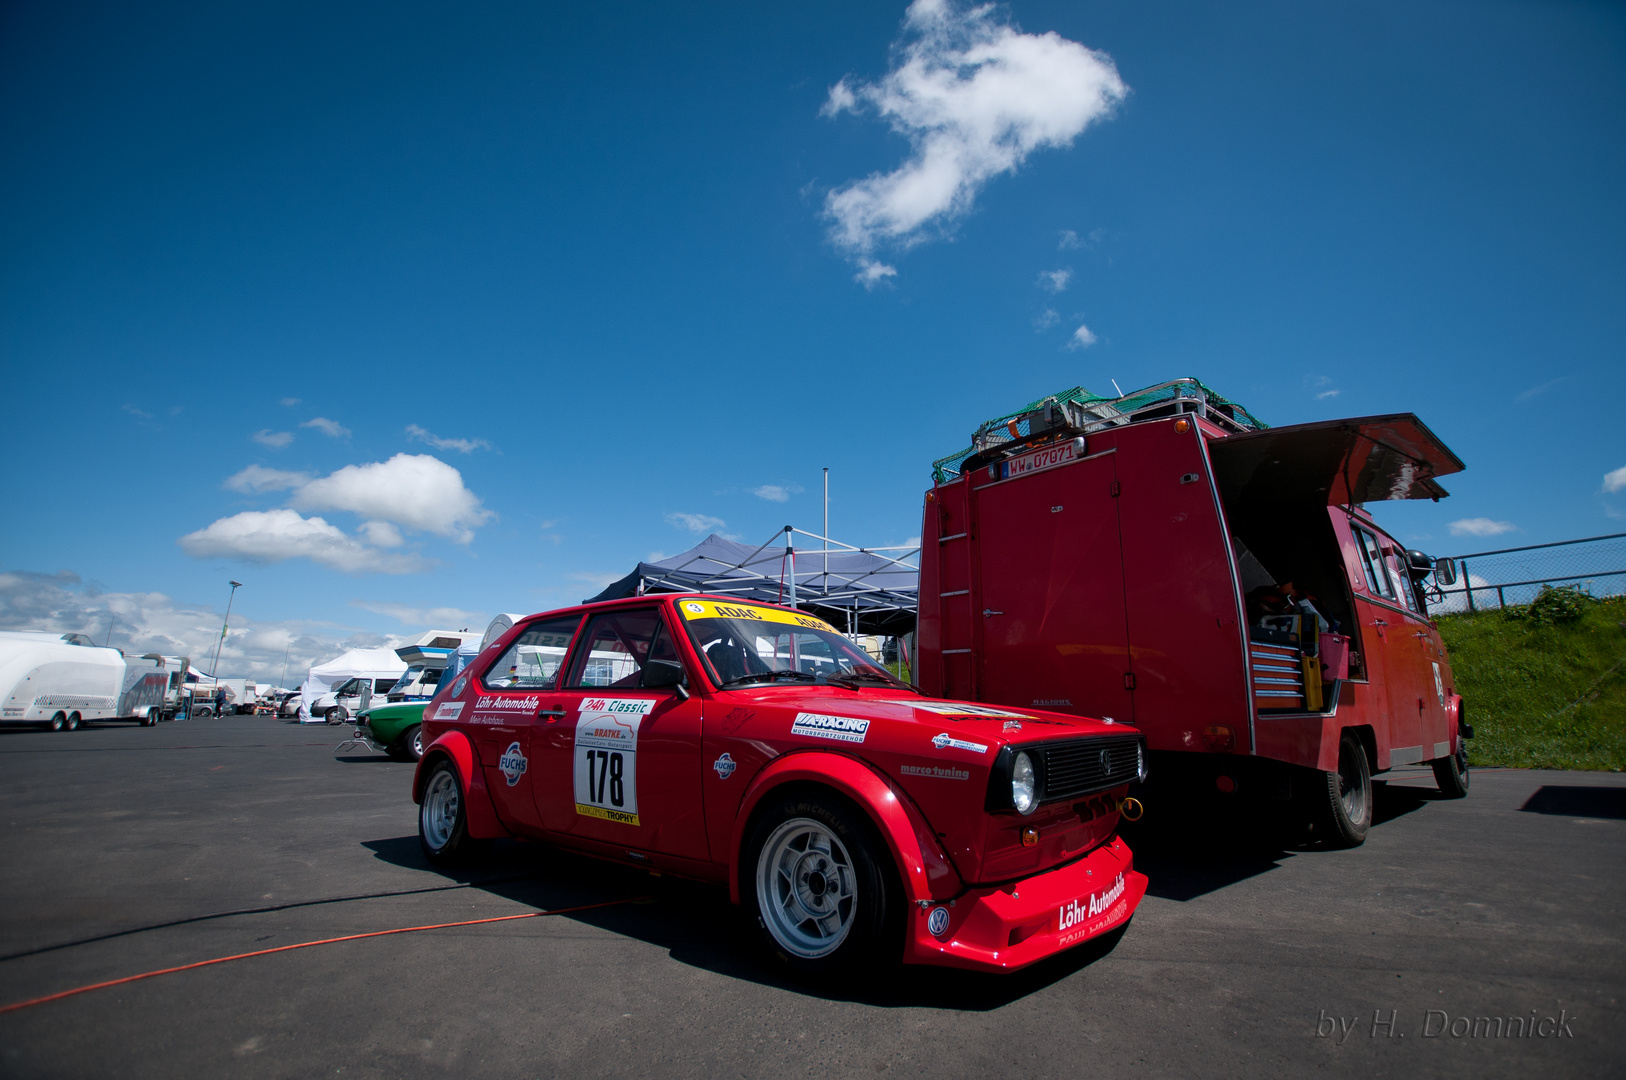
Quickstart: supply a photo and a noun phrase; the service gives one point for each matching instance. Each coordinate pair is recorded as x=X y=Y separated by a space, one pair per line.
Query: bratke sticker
x=606 y=758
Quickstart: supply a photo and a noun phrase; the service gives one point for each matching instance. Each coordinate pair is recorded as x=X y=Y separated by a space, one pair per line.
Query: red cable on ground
x=305 y=945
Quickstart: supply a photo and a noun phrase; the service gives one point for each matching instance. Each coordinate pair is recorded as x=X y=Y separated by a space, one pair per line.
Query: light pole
x=214 y=671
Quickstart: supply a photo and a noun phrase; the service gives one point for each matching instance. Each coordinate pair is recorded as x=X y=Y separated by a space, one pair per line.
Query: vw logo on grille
x=1106 y=763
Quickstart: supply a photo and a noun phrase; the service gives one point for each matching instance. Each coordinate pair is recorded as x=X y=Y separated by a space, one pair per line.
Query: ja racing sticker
x=606 y=758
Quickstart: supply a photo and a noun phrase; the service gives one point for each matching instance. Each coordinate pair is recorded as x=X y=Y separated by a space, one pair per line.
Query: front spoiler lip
x=984 y=920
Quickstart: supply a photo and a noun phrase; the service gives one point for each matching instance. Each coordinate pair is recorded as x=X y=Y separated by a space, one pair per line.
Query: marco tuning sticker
x=605 y=769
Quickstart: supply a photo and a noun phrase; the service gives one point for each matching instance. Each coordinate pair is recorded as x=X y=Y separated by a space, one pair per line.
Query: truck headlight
x=1024 y=785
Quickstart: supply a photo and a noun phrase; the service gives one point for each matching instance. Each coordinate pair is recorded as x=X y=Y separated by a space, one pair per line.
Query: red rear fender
x=922 y=866
x=455 y=747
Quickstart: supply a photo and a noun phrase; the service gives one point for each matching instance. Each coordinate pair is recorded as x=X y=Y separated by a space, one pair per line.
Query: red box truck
x=1166 y=560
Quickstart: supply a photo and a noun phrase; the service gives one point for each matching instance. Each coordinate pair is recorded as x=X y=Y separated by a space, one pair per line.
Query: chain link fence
x=1495 y=579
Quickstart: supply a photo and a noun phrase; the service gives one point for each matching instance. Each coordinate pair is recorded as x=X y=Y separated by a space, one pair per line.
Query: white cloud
x=597 y=581
x=1455 y=599
x=257 y=479
x=1481 y=527
x=696 y=523
x=290 y=401
x=139 y=414
x=872 y=273
x=777 y=492
x=657 y=556
x=381 y=534
x=438 y=618
x=1046 y=319
x=153 y=622
x=1069 y=241
x=328 y=427
x=1082 y=338
x=276 y=535
x=1055 y=280
x=415 y=490
x=462 y=446
x=1615 y=481
x=974 y=97
x=1325 y=394
x=276 y=440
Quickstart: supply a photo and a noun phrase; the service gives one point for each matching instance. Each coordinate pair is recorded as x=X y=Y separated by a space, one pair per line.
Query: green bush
x=1555 y=605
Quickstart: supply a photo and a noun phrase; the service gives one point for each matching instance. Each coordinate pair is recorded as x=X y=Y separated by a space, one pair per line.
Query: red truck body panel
x=1108 y=580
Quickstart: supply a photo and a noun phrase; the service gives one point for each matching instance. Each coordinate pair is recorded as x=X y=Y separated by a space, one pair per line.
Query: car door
x=621 y=760
x=504 y=718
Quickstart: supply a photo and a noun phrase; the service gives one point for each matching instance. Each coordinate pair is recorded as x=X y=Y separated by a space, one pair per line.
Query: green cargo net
x=1081 y=411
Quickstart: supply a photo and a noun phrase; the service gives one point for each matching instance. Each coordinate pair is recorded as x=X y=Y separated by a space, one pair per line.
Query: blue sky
x=596 y=271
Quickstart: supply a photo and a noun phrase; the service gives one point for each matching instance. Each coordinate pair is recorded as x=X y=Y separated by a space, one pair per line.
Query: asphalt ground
x=127 y=850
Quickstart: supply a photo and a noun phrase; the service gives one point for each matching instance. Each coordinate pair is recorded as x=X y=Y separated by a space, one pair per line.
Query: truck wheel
x=73 y=721
x=443 y=820
x=59 y=721
x=1348 y=807
x=336 y=715
x=820 y=894
x=1451 y=773
x=149 y=718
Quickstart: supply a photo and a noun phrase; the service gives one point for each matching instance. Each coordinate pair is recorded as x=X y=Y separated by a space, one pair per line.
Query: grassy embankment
x=1542 y=693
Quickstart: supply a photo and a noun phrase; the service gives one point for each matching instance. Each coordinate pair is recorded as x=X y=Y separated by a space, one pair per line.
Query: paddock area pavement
x=1476 y=937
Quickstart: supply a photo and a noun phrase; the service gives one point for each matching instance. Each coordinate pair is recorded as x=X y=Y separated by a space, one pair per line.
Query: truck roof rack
x=1077 y=411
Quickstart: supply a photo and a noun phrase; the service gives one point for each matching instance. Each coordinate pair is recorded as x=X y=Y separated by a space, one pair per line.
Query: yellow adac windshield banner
x=715 y=609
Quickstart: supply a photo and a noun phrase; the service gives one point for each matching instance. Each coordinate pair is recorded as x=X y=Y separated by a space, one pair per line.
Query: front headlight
x=1024 y=786
x=1140 y=762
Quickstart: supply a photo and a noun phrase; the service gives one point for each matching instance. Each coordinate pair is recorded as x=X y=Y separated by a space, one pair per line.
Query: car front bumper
x=1005 y=927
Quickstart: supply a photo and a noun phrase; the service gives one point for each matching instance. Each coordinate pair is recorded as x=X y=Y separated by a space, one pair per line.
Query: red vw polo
x=753 y=746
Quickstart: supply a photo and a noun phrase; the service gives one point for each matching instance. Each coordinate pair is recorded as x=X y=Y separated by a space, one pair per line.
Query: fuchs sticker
x=839 y=728
x=512 y=763
x=945 y=741
x=1074 y=919
x=606 y=758
x=448 y=710
x=725 y=767
x=943 y=708
x=937 y=922
x=936 y=772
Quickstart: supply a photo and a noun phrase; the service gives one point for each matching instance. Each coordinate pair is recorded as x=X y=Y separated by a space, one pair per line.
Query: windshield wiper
x=769 y=676
x=852 y=679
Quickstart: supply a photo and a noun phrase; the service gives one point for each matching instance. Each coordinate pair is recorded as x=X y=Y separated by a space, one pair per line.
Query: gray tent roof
x=882 y=592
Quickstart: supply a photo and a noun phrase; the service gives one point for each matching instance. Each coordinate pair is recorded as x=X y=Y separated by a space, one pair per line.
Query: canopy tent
x=862 y=590
x=367 y=663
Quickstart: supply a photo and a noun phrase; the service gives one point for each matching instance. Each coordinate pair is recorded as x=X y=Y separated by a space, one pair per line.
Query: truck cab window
x=1378 y=582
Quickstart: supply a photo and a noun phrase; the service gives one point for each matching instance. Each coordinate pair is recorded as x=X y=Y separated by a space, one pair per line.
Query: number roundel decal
x=605 y=772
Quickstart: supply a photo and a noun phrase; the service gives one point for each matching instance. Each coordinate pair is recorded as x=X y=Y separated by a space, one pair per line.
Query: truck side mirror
x=1445 y=572
x=1418 y=565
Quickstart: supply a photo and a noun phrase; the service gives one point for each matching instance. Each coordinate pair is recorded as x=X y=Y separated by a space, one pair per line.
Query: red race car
x=753 y=746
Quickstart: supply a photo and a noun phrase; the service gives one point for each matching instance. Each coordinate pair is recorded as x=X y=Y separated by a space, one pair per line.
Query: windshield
x=744 y=643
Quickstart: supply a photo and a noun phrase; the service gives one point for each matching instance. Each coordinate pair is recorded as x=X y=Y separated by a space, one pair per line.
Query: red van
x=1166 y=560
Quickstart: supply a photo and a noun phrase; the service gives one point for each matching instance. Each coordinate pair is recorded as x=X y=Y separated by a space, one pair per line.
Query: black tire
x=413 y=740
x=149 y=718
x=819 y=887
x=443 y=817
x=58 y=722
x=336 y=715
x=1347 y=807
x=1451 y=773
x=74 y=721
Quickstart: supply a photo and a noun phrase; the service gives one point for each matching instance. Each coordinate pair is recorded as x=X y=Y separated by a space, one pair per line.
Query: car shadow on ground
x=1191 y=849
x=1578 y=802
x=697 y=925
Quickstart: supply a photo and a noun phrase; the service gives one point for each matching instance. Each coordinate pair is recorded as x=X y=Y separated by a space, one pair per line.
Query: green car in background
x=395 y=729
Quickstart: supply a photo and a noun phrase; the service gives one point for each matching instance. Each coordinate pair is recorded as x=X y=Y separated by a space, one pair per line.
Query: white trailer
x=58 y=680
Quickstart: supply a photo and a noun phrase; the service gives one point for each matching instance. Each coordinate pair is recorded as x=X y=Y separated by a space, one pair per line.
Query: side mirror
x=1418 y=564
x=1445 y=572
x=659 y=674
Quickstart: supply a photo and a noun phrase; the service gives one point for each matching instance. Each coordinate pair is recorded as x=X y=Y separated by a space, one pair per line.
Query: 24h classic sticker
x=606 y=758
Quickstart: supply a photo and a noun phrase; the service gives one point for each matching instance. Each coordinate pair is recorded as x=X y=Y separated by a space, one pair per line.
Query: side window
x=617 y=646
x=382 y=686
x=1377 y=574
x=532 y=662
x=1402 y=579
